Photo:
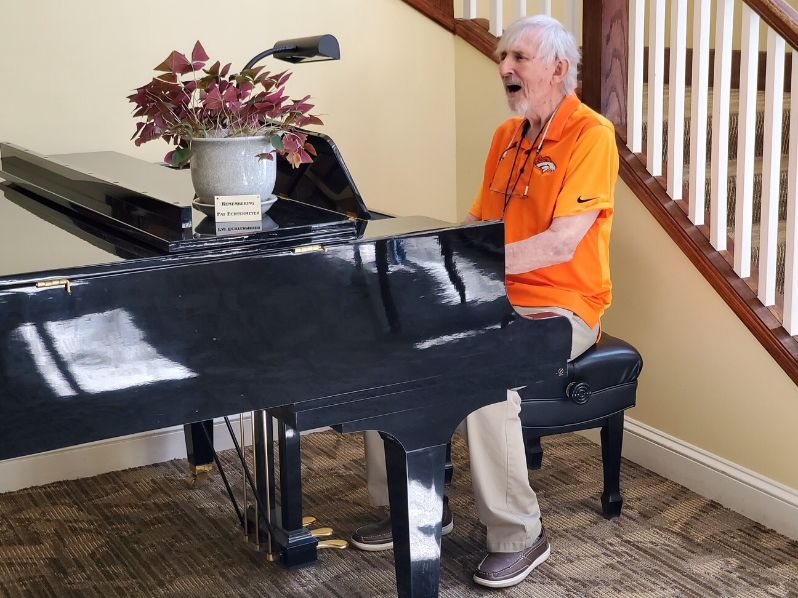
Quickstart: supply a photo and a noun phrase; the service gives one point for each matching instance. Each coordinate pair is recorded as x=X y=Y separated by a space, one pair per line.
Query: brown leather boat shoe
x=379 y=536
x=505 y=569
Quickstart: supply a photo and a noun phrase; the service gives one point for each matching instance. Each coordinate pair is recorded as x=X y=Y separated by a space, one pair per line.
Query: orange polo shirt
x=575 y=171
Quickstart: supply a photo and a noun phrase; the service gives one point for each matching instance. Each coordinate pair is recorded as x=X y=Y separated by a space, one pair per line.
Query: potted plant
x=228 y=126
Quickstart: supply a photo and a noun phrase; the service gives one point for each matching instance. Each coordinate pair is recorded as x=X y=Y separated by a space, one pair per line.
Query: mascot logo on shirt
x=546 y=164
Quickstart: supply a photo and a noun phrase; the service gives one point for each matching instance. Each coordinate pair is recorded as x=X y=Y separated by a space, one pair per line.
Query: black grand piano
x=123 y=310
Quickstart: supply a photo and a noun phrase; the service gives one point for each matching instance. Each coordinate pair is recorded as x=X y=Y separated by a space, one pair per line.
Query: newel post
x=605 y=54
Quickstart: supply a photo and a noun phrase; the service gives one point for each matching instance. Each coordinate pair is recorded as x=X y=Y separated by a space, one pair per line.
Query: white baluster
x=656 y=82
x=676 y=94
x=496 y=17
x=634 y=103
x=469 y=9
x=721 y=88
x=698 y=112
x=746 y=138
x=791 y=264
x=547 y=7
x=520 y=8
x=771 y=167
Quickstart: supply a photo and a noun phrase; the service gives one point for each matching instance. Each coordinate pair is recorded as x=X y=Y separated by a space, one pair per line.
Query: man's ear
x=561 y=68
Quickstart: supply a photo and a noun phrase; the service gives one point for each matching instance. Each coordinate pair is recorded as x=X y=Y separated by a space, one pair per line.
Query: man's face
x=530 y=82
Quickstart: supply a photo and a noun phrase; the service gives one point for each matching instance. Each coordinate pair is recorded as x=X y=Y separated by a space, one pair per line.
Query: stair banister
x=773 y=318
x=779 y=16
x=746 y=134
x=676 y=86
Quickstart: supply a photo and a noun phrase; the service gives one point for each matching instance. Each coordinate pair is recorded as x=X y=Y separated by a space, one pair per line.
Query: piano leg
x=415 y=488
x=296 y=544
x=198 y=450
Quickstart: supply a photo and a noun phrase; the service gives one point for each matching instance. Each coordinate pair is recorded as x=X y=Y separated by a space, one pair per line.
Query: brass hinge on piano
x=59 y=282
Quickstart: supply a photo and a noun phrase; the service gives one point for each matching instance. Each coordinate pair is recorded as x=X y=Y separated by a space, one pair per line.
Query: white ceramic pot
x=230 y=166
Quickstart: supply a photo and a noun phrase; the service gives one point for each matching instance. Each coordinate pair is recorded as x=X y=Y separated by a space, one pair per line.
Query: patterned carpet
x=141 y=532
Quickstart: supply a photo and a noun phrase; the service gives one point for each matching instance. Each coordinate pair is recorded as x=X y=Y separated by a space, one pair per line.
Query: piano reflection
x=124 y=309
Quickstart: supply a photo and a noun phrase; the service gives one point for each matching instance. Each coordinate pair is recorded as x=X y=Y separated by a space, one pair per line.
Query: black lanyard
x=509 y=190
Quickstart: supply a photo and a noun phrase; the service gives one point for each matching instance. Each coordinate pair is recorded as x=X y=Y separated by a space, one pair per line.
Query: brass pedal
x=322 y=532
x=334 y=543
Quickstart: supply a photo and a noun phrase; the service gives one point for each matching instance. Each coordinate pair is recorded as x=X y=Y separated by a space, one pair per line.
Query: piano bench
x=601 y=384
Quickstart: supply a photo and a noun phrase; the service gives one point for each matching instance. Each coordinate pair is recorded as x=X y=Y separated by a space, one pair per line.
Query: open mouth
x=512 y=88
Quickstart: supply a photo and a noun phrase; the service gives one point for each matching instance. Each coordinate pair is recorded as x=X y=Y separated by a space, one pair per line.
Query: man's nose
x=505 y=68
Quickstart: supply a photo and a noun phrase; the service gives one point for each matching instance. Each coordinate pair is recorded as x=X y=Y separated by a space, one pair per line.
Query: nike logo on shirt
x=581 y=200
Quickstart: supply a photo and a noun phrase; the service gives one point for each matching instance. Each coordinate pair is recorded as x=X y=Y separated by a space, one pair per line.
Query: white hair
x=556 y=43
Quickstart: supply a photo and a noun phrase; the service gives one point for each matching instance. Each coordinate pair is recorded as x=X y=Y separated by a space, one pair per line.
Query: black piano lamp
x=302 y=49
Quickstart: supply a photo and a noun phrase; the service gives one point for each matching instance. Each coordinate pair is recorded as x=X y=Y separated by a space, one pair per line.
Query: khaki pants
x=507 y=505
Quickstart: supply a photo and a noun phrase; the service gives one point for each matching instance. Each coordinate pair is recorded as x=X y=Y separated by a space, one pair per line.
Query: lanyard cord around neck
x=508 y=190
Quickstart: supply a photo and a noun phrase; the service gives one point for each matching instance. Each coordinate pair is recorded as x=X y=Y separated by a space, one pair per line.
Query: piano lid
x=151 y=204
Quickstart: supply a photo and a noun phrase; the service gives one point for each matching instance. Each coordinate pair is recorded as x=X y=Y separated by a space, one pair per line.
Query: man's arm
x=555 y=245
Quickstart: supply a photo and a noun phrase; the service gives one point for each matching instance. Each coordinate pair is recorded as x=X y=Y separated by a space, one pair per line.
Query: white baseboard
x=104 y=456
x=95 y=458
x=742 y=490
x=753 y=495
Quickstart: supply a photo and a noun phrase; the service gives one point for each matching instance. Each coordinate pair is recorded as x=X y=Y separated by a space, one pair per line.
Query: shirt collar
x=566 y=108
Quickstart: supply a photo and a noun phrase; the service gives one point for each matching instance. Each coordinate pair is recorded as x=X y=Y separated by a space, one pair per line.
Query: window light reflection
x=97 y=353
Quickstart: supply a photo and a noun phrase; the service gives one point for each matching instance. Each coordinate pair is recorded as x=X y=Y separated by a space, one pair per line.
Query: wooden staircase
x=731 y=189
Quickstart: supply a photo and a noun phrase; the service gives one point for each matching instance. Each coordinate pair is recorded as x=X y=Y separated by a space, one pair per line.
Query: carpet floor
x=142 y=532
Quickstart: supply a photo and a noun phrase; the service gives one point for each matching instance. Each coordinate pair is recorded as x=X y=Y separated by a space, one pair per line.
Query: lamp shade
x=308 y=49
x=302 y=49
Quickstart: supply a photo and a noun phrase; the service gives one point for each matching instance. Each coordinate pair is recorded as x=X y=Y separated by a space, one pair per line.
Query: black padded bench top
x=600 y=382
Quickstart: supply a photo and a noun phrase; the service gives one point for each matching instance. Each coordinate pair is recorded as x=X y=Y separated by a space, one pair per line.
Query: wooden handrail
x=780 y=16
x=475 y=32
x=440 y=11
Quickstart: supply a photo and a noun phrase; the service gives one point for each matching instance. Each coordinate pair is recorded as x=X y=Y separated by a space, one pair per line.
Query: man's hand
x=556 y=245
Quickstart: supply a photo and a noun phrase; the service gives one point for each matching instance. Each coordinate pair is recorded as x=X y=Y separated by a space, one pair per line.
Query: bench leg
x=533 y=449
x=611 y=443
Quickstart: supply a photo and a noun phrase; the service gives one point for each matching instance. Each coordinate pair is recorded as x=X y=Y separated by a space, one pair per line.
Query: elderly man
x=550 y=176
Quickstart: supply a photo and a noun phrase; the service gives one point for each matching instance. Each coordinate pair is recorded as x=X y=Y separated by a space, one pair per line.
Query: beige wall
x=706 y=379
x=67 y=66
x=479 y=107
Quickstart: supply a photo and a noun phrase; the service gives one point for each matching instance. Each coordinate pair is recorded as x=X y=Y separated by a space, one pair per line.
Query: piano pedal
x=333 y=543
x=322 y=532
x=199 y=475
